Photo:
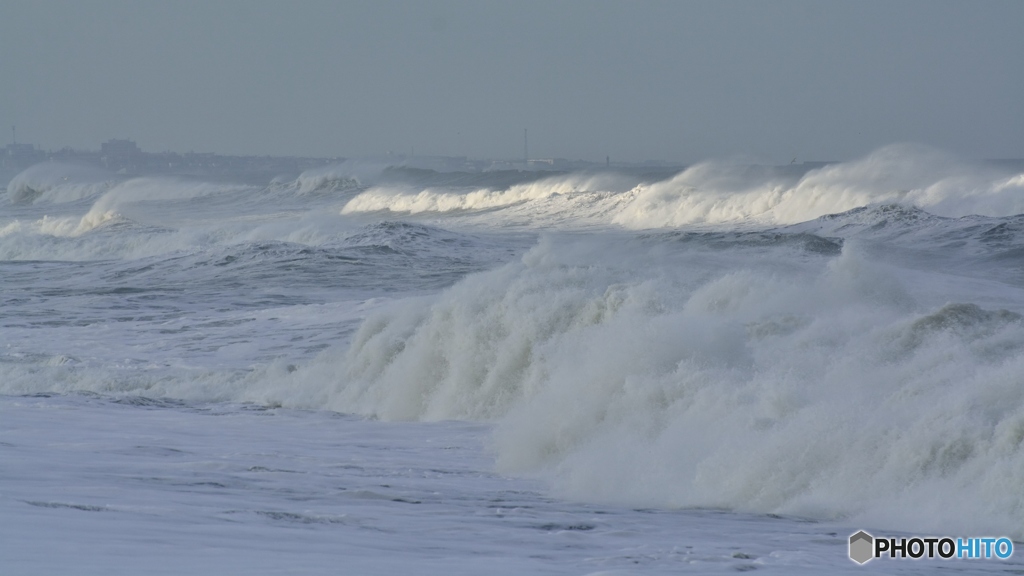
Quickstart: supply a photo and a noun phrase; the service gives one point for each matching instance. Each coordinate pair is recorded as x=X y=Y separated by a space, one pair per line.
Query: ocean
x=364 y=369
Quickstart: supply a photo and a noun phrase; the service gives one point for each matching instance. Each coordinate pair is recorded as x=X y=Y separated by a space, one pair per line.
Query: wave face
x=845 y=343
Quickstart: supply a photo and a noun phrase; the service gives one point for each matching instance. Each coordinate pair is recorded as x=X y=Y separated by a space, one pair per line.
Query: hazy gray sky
x=635 y=80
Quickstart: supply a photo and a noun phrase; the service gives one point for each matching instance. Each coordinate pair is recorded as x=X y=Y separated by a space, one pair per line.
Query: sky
x=678 y=81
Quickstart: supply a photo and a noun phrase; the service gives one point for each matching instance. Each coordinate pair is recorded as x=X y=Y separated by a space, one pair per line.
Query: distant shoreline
x=124 y=157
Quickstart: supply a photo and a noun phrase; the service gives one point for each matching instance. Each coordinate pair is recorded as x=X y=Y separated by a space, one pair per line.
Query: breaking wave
x=347 y=175
x=715 y=193
x=823 y=392
x=54 y=183
x=908 y=175
x=447 y=200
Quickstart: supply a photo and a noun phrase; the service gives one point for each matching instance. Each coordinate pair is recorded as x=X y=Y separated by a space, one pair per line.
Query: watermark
x=865 y=547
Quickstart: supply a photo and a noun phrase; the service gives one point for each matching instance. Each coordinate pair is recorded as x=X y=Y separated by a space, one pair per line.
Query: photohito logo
x=864 y=547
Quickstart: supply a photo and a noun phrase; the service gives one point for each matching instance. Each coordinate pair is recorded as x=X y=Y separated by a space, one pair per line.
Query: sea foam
x=846 y=343
x=717 y=193
x=822 y=392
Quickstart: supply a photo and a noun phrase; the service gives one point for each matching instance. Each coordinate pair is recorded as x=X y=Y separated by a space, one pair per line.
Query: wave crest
x=55 y=183
x=716 y=193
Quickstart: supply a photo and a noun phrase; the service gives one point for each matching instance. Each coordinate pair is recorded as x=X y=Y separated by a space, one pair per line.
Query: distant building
x=125 y=148
x=439 y=163
x=120 y=154
x=19 y=156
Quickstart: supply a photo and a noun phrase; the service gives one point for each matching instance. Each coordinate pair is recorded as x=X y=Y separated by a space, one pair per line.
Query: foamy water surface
x=732 y=367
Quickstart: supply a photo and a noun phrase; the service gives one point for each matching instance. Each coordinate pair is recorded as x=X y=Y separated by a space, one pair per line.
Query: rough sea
x=370 y=370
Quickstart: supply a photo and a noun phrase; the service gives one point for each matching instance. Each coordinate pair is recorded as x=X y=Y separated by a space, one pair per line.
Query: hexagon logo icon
x=861 y=545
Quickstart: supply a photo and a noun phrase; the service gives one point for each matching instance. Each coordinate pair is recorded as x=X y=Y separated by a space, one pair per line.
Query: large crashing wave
x=818 y=392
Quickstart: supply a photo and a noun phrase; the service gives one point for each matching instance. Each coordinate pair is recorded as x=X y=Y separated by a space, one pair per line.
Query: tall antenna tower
x=14 y=135
x=526 y=150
